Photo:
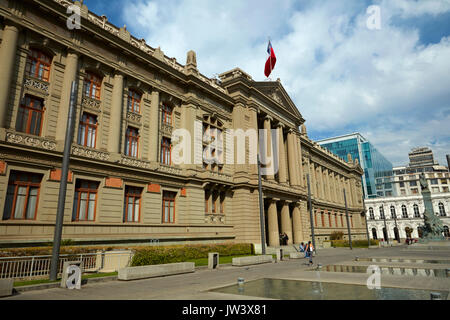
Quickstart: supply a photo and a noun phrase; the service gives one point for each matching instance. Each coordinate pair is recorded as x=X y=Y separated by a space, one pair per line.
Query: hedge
x=182 y=253
x=355 y=243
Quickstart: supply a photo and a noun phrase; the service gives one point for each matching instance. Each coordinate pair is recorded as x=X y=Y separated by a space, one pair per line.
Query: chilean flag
x=271 y=60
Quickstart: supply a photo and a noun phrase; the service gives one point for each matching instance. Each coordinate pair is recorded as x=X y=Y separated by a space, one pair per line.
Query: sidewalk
x=195 y=286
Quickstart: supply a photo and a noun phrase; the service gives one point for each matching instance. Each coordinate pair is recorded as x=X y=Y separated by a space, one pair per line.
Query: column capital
x=267 y=117
x=280 y=125
x=12 y=25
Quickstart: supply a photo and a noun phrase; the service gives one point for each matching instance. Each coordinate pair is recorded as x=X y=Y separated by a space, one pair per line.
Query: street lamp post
x=310 y=214
x=348 y=222
x=63 y=185
x=261 y=210
x=386 y=236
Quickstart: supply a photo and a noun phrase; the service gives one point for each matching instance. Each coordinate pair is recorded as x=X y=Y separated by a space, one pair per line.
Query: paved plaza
x=196 y=286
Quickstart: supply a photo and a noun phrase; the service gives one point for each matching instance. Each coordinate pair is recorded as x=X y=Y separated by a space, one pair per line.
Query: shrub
x=181 y=253
x=355 y=243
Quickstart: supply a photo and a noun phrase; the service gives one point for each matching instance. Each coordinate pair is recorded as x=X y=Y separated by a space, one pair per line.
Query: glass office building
x=378 y=175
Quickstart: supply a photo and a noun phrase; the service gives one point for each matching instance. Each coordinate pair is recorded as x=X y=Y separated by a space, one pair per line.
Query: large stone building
x=124 y=185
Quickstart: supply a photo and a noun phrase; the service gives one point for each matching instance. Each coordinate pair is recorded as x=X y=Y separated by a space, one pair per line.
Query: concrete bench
x=6 y=287
x=246 y=261
x=158 y=270
x=296 y=255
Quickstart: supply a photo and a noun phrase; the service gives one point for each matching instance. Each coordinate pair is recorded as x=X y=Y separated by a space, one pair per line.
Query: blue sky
x=389 y=84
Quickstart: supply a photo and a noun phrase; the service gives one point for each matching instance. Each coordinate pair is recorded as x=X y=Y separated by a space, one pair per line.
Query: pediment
x=275 y=91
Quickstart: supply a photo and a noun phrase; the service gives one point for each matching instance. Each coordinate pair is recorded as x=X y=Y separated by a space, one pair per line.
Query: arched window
x=38 y=65
x=92 y=85
x=416 y=211
x=441 y=209
x=371 y=215
x=446 y=232
x=393 y=214
x=374 y=233
x=382 y=213
x=404 y=212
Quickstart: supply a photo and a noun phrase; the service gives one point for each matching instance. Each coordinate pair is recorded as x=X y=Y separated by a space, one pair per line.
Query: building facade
x=124 y=183
x=403 y=215
x=377 y=178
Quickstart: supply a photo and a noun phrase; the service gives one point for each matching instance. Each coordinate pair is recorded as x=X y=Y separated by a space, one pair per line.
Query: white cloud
x=341 y=75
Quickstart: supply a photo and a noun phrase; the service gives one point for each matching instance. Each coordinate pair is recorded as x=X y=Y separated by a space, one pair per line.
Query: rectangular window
x=336 y=219
x=323 y=219
x=38 y=65
x=222 y=203
x=329 y=219
x=85 y=201
x=167 y=115
x=434 y=181
x=413 y=183
x=92 y=85
x=342 y=221
x=22 y=196
x=131 y=142
x=443 y=181
x=30 y=116
x=214 y=202
x=87 y=132
x=402 y=184
x=132 y=205
x=134 y=101
x=166 y=148
x=168 y=207
x=206 y=202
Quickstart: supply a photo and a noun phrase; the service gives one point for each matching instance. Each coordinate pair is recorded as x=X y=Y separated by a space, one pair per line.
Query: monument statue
x=433 y=228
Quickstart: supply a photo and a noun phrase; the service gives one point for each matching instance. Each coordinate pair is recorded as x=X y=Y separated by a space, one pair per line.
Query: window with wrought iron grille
x=404 y=211
x=416 y=211
x=30 y=115
x=22 y=196
x=441 y=209
x=38 y=65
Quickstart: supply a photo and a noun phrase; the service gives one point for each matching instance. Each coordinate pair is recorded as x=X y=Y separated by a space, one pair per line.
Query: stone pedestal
x=65 y=275
x=213 y=260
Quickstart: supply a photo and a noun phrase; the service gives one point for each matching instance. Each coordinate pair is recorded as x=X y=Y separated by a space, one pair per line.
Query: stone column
x=282 y=174
x=286 y=224
x=115 y=125
x=291 y=157
x=297 y=223
x=272 y=219
x=70 y=75
x=252 y=160
x=322 y=182
x=154 y=126
x=8 y=51
x=268 y=150
x=300 y=161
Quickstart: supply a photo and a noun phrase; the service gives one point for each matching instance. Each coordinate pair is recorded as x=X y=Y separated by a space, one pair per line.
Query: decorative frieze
x=132 y=162
x=166 y=130
x=214 y=218
x=89 y=153
x=134 y=117
x=30 y=141
x=90 y=103
x=36 y=84
x=169 y=169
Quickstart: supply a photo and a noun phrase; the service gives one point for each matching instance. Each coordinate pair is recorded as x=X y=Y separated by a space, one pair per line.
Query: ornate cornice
x=31 y=141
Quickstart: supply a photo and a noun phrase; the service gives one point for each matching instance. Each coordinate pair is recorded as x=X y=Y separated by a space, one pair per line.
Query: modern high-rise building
x=421 y=157
x=377 y=178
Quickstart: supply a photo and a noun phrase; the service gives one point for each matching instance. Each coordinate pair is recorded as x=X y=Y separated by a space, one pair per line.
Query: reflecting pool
x=396 y=271
x=310 y=290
